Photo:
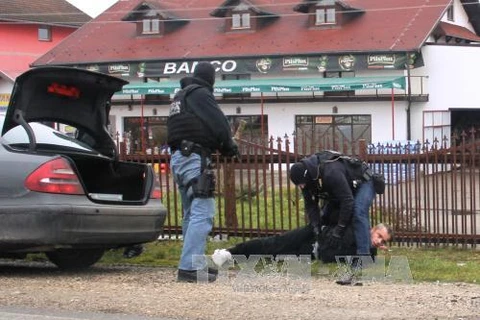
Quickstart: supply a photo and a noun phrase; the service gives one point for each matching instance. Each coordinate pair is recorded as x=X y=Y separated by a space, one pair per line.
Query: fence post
x=362 y=146
x=123 y=150
x=231 y=220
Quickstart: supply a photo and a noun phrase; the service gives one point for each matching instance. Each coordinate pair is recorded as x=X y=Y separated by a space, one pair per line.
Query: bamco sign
x=187 y=67
x=286 y=65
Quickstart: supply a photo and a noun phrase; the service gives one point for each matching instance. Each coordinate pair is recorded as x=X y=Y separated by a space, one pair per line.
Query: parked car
x=69 y=196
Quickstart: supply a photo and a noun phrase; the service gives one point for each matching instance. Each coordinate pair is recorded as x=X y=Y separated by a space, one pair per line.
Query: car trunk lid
x=77 y=97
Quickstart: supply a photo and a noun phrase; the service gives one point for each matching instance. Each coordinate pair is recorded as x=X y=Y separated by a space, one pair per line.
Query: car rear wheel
x=74 y=259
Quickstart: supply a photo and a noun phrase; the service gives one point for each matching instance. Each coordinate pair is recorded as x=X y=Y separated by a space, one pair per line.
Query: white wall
x=453 y=73
x=453 y=76
x=281 y=116
x=460 y=16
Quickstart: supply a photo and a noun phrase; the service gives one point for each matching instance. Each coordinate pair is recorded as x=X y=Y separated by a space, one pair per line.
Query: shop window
x=147 y=135
x=440 y=124
x=256 y=128
x=338 y=132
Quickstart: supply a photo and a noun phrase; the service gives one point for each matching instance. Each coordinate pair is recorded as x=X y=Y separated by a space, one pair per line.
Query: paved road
x=15 y=313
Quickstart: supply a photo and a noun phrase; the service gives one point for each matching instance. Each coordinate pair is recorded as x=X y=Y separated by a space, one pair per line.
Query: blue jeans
x=364 y=196
x=198 y=213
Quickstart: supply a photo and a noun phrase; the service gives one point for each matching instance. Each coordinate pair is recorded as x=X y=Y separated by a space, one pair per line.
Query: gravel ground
x=154 y=292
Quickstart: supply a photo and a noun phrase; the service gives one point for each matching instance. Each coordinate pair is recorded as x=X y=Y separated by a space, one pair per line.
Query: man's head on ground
x=380 y=235
x=298 y=174
x=206 y=72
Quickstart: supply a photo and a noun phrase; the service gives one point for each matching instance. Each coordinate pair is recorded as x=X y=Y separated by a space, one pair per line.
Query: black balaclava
x=206 y=72
x=298 y=173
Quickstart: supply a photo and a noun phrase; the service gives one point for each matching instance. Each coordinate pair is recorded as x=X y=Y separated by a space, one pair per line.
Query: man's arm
x=347 y=247
x=311 y=203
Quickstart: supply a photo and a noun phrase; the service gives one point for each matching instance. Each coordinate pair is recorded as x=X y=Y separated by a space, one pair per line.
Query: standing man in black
x=196 y=128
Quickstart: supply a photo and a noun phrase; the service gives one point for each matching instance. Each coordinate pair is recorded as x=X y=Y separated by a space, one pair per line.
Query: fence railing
x=432 y=193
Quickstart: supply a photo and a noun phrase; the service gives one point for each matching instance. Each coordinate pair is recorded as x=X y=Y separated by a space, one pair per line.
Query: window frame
x=150 y=26
x=253 y=128
x=450 y=13
x=244 y=19
x=324 y=15
x=47 y=30
x=325 y=131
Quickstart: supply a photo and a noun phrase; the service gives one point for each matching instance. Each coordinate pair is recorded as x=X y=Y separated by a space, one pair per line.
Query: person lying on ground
x=303 y=241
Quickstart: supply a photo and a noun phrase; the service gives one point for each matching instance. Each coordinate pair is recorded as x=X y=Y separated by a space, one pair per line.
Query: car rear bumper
x=65 y=226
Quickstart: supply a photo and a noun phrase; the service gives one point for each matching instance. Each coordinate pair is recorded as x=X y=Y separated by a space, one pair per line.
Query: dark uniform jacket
x=334 y=185
x=195 y=116
x=347 y=247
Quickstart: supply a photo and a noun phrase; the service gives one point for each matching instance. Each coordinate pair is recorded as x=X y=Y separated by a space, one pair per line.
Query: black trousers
x=295 y=242
x=299 y=242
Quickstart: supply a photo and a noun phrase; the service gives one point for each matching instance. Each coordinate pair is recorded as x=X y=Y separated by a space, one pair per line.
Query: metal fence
x=430 y=198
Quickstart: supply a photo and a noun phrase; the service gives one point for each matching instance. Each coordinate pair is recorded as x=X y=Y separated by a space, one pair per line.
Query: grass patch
x=448 y=264
x=253 y=210
x=441 y=264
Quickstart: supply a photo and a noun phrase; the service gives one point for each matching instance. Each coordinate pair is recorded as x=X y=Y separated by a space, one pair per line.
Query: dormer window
x=325 y=16
x=241 y=20
x=151 y=26
x=152 y=21
x=243 y=16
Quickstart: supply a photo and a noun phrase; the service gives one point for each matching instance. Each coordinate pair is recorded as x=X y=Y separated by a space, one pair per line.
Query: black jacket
x=347 y=247
x=334 y=185
x=203 y=122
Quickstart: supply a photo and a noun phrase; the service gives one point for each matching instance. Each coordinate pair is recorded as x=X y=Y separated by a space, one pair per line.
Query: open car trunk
x=81 y=100
x=109 y=181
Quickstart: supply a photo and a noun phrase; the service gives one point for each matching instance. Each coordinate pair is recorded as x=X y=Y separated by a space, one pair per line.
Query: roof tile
x=55 y=12
x=386 y=26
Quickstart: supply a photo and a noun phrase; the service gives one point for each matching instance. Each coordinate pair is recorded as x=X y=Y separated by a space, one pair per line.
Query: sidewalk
x=17 y=313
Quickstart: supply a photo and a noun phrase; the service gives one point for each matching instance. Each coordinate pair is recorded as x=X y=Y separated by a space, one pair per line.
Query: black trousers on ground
x=299 y=242
x=295 y=242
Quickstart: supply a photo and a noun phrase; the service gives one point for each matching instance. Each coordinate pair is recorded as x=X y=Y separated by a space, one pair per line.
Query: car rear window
x=45 y=136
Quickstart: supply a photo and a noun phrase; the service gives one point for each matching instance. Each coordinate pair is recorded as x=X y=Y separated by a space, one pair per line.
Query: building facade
x=331 y=71
x=29 y=29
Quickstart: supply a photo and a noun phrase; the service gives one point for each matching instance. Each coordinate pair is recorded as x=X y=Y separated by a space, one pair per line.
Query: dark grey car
x=70 y=197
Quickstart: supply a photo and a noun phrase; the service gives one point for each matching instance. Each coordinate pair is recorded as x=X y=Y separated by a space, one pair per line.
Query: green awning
x=275 y=85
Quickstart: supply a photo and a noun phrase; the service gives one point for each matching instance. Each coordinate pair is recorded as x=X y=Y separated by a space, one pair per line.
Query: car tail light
x=156 y=191
x=55 y=176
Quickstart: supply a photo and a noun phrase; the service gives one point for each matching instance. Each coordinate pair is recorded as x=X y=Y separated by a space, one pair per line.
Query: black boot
x=212 y=271
x=353 y=271
x=133 y=251
x=196 y=275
